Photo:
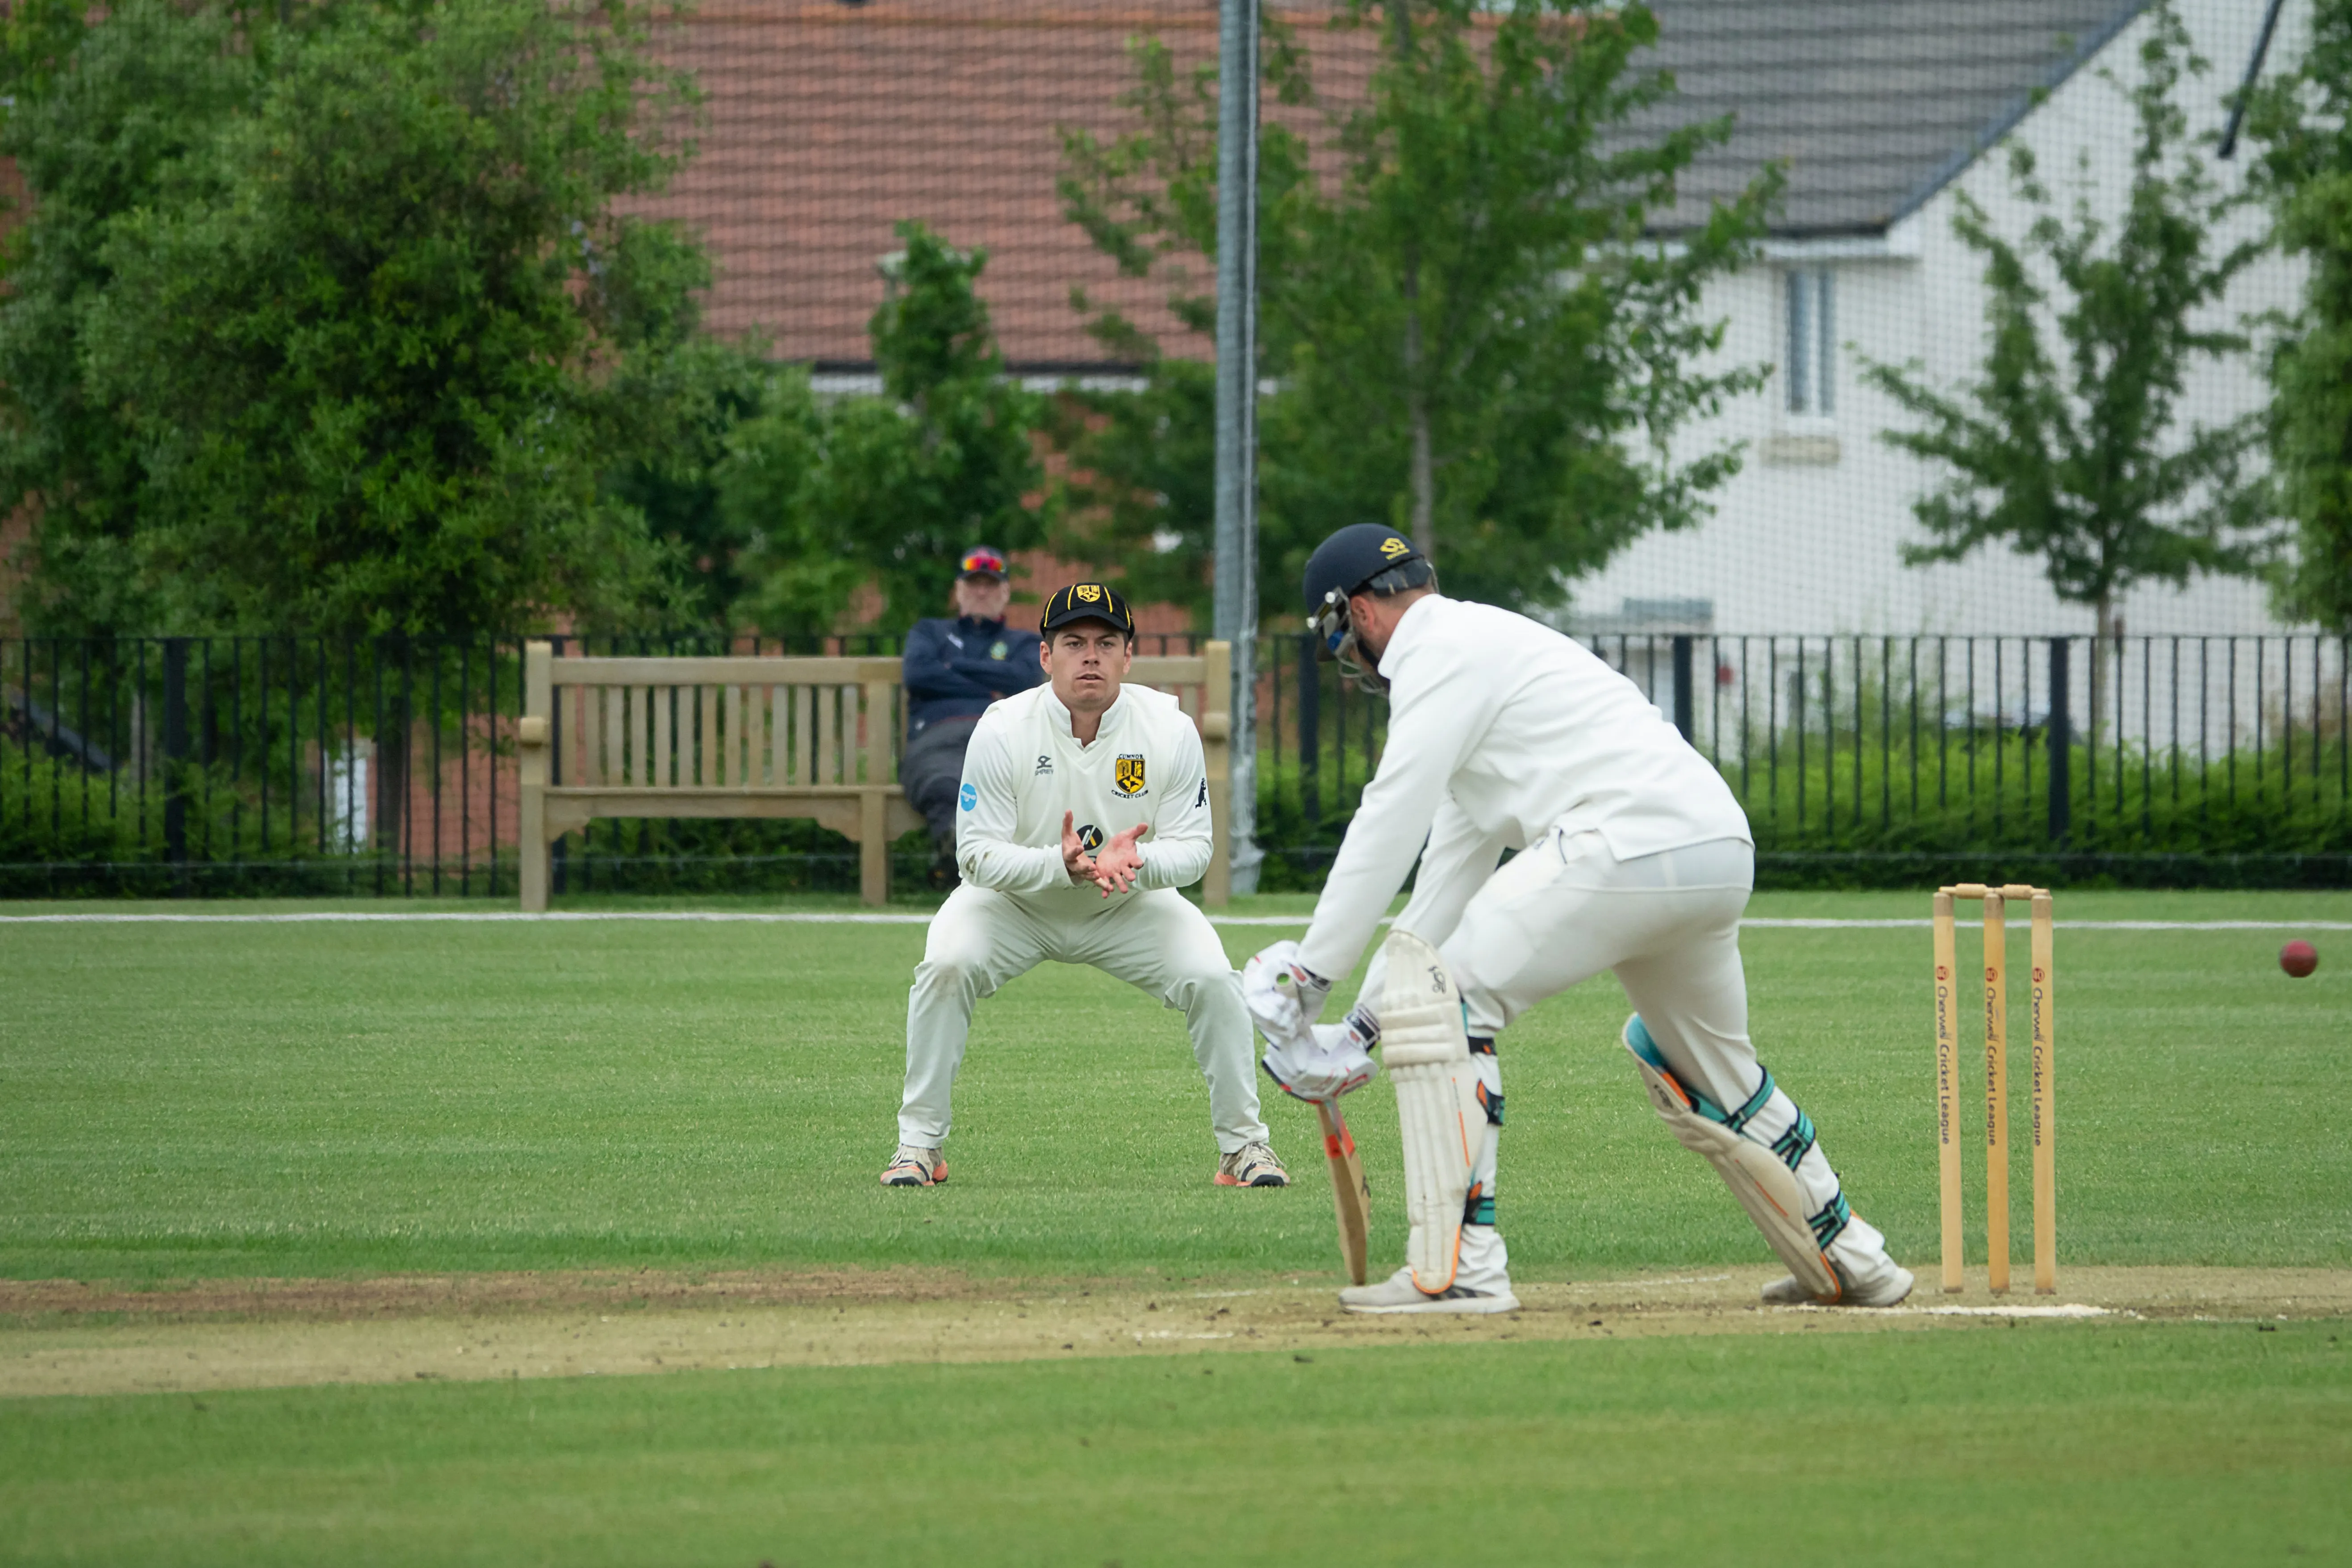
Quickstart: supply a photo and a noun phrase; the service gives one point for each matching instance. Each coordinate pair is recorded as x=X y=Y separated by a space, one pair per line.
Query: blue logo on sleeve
x=969 y=797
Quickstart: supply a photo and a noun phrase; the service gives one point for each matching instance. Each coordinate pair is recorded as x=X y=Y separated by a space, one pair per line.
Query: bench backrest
x=771 y=723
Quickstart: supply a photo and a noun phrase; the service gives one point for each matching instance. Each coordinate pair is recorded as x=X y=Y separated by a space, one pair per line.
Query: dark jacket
x=961 y=665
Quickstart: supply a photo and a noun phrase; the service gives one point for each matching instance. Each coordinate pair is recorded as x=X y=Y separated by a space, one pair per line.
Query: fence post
x=1216 y=748
x=532 y=733
x=1683 y=685
x=2060 y=739
x=175 y=752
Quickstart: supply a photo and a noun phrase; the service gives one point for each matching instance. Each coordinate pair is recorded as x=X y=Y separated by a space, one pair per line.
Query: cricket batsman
x=1632 y=855
x=1085 y=806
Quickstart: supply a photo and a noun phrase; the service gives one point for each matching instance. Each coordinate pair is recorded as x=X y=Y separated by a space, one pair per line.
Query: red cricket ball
x=2298 y=958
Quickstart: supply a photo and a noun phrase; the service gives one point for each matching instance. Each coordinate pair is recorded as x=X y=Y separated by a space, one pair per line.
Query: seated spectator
x=954 y=669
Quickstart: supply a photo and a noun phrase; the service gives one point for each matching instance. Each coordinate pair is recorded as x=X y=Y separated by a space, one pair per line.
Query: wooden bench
x=759 y=737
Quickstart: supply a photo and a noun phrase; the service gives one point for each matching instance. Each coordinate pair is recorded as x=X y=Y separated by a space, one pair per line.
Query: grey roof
x=1874 y=104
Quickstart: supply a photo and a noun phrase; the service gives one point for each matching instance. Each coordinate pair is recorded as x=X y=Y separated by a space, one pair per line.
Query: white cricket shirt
x=1500 y=730
x=1024 y=769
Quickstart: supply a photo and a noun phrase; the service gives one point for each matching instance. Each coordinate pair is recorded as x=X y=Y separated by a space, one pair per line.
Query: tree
x=1473 y=332
x=358 y=344
x=2083 y=461
x=2304 y=123
x=686 y=408
x=95 y=115
x=879 y=496
x=1141 y=485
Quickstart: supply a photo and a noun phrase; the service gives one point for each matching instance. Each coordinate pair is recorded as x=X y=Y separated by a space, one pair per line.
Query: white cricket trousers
x=1668 y=924
x=1155 y=941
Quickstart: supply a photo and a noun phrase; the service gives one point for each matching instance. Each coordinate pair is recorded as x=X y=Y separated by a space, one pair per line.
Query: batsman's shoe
x=1886 y=1287
x=1398 y=1293
x=1250 y=1165
x=915 y=1167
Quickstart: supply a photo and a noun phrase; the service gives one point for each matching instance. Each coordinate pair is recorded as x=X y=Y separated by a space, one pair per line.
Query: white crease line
x=2203 y=925
x=2071 y=1310
x=2064 y=925
x=810 y=917
x=342 y=917
x=470 y=917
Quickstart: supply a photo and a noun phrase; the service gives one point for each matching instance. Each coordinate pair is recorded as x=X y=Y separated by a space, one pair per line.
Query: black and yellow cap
x=1088 y=602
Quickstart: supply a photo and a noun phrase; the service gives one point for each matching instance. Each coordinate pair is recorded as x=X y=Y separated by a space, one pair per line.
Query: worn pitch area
x=63 y=1337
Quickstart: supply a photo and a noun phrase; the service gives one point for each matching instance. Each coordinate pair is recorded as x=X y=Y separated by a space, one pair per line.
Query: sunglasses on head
x=983 y=560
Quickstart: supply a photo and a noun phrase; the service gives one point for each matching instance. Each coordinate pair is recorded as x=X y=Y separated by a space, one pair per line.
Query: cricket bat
x=1350 y=1194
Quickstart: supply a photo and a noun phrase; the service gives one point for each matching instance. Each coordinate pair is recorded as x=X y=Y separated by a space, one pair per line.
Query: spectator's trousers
x=932 y=772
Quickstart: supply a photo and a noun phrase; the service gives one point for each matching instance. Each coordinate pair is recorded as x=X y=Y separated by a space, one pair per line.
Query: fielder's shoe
x=1250 y=1165
x=915 y=1167
x=1886 y=1287
x=1398 y=1293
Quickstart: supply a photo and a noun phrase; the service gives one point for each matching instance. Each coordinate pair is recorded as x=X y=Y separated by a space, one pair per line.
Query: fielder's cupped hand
x=1117 y=863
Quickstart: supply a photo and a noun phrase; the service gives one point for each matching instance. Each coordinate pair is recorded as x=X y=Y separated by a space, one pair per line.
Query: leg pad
x=1440 y=1116
x=1758 y=1175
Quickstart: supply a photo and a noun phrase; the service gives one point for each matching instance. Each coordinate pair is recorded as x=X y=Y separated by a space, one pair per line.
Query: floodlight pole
x=1235 y=614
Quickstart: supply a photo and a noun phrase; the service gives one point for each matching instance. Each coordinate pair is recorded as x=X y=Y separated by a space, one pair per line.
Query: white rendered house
x=1886 y=111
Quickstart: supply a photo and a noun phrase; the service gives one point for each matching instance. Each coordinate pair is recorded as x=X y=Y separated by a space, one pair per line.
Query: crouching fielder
x=1085 y=806
x=1632 y=856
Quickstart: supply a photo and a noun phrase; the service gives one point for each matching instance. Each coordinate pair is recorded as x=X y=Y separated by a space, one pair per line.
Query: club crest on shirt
x=1127 y=774
x=999 y=649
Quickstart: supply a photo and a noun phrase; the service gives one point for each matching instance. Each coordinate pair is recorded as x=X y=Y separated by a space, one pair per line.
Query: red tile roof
x=826 y=123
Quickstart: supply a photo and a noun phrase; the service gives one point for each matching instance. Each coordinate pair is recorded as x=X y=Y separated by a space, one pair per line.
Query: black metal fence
x=289 y=765
x=169 y=766
x=2152 y=761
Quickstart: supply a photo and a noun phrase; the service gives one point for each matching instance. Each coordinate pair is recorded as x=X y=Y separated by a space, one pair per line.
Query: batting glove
x=1331 y=1063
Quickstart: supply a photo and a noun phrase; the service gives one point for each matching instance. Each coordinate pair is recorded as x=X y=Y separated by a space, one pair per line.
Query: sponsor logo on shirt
x=1203 y=798
x=1045 y=767
x=1127 y=774
x=1090 y=839
x=968 y=797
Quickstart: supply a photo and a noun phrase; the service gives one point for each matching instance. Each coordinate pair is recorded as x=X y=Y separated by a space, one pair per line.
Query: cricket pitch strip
x=64 y=1337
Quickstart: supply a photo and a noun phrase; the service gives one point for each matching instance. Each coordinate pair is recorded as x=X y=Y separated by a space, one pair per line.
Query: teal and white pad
x=1758 y=1177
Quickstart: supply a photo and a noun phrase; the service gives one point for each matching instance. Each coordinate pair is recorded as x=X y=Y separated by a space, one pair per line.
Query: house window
x=1809 y=362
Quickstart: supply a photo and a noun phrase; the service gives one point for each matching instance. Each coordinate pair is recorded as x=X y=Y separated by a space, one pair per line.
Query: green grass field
x=312 y=1100
x=188 y=1101
x=2183 y=1444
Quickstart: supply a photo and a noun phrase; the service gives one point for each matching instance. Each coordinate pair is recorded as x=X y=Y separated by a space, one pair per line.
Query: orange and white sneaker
x=1250 y=1165
x=915 y=1167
